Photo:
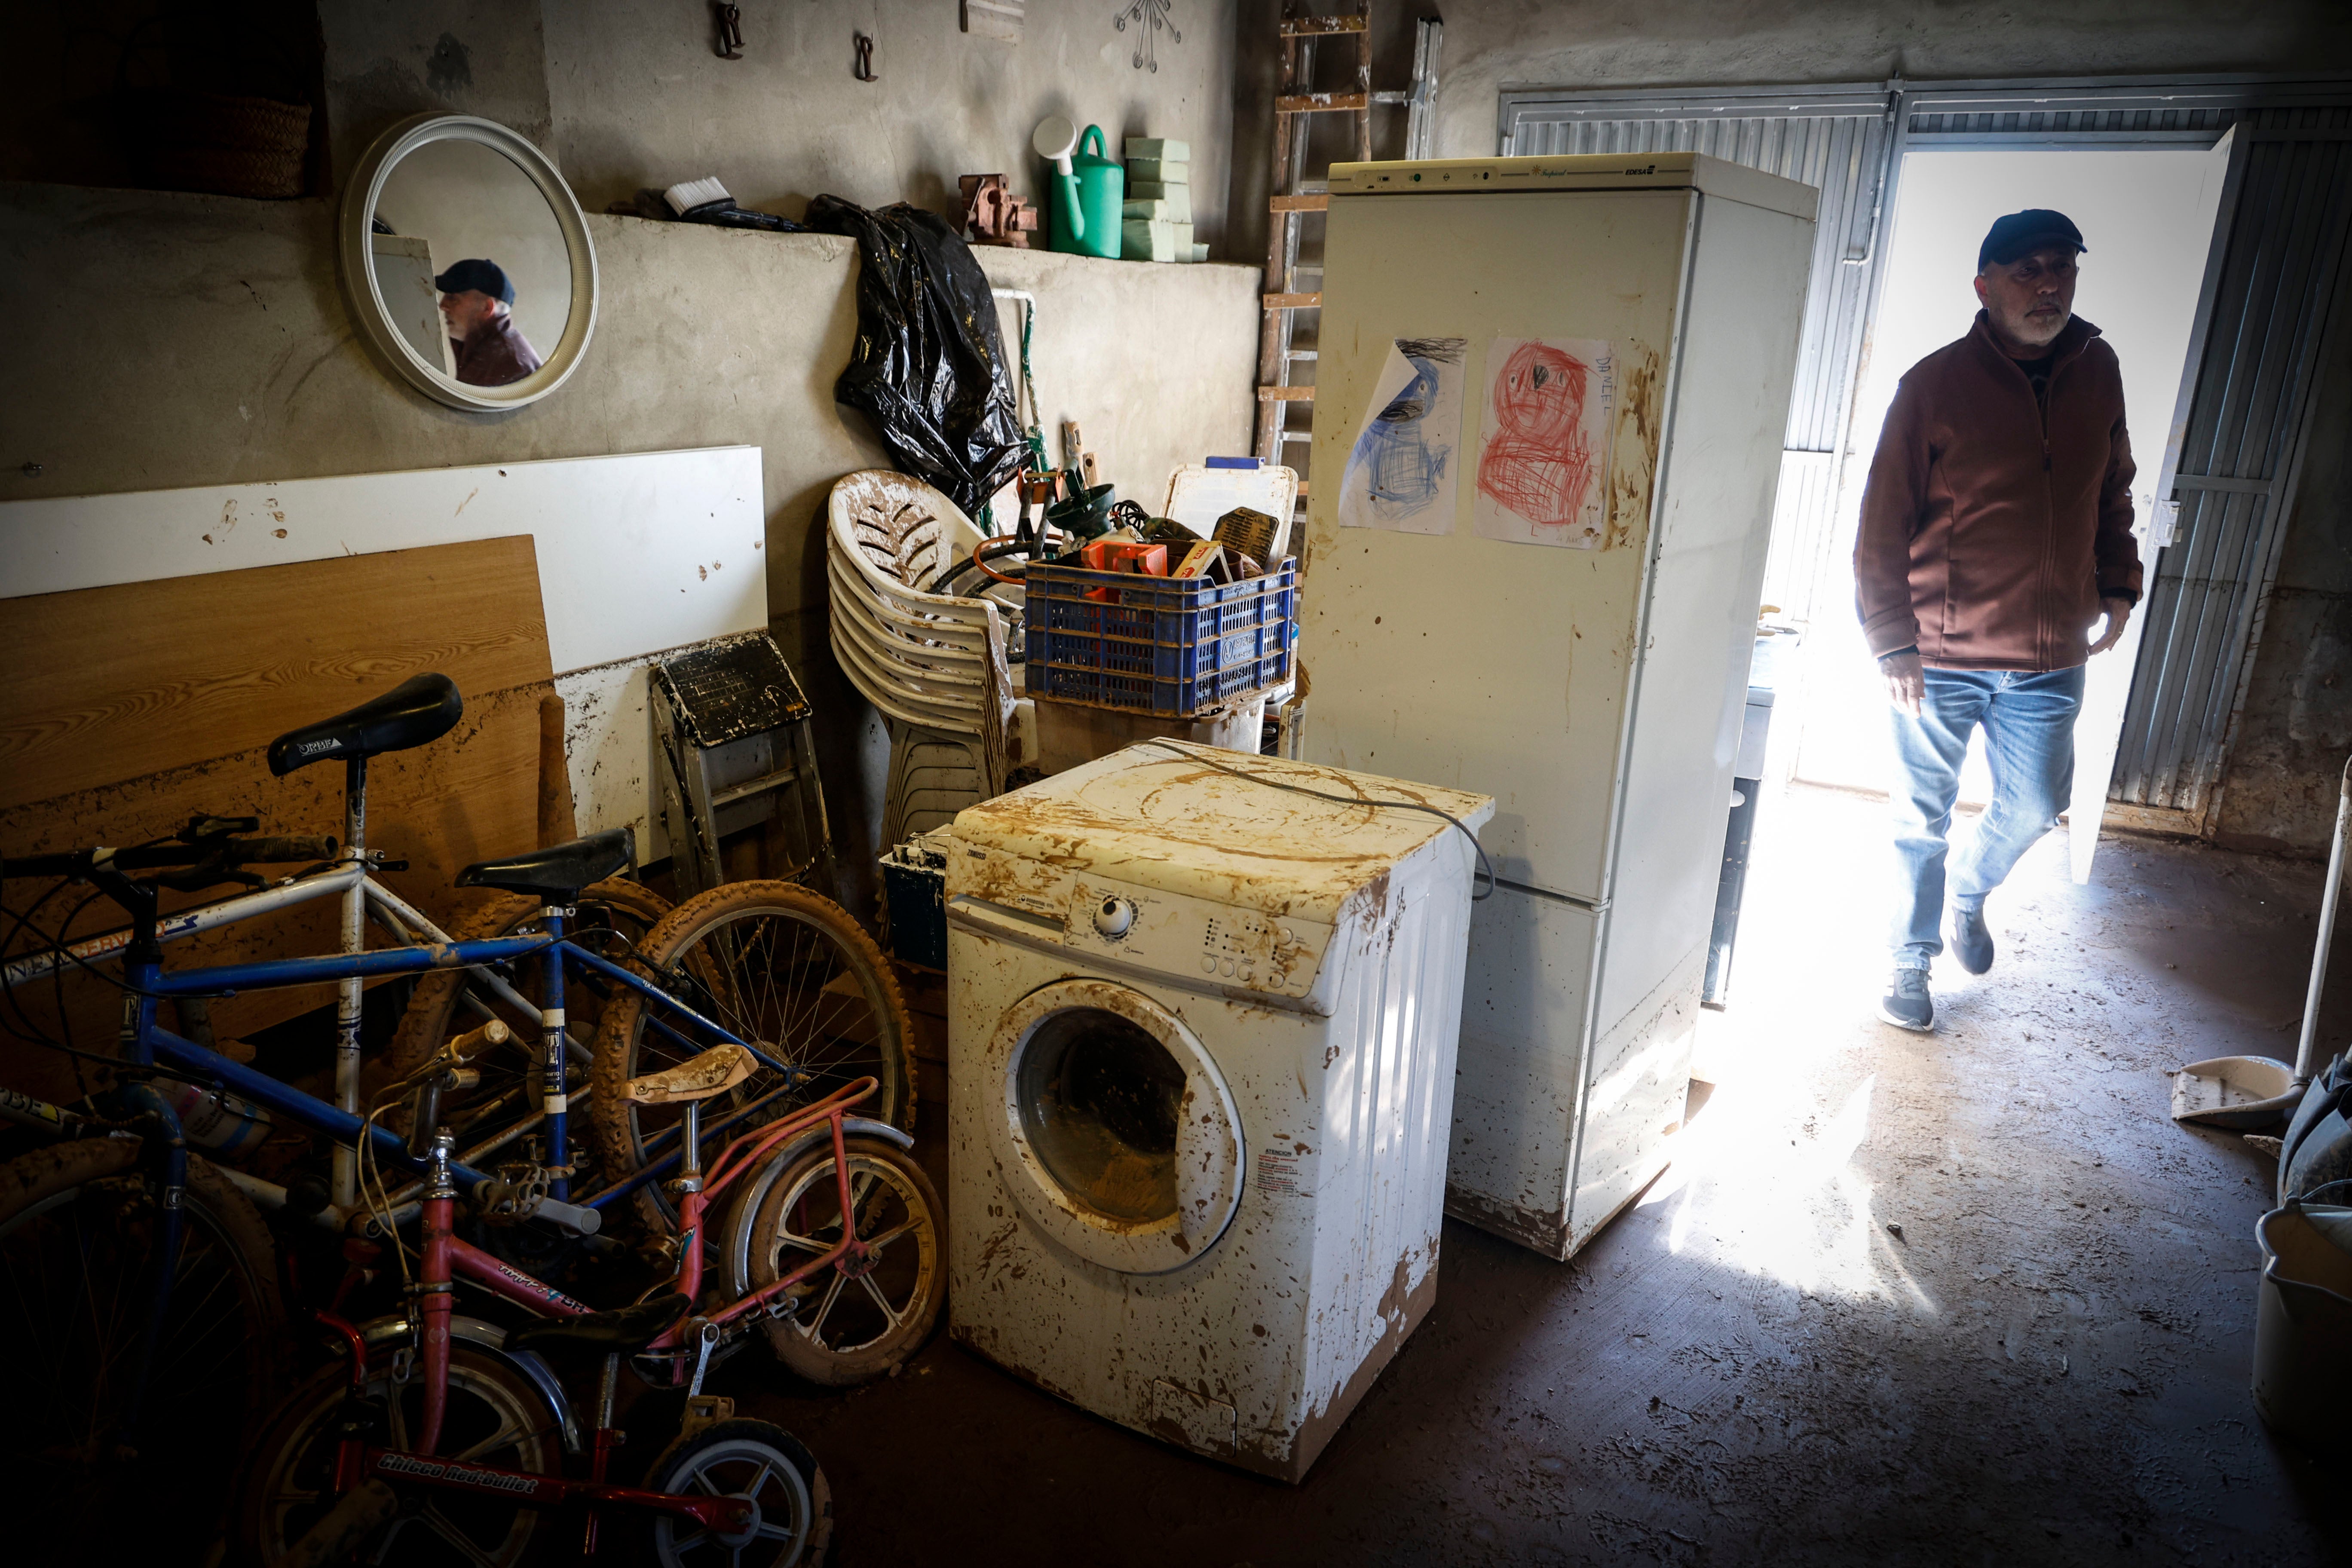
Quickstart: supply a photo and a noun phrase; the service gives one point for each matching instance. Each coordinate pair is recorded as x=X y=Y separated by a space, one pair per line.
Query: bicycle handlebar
x=79 y=863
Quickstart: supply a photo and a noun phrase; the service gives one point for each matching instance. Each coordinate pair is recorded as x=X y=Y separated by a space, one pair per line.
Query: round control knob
x=1113 y=916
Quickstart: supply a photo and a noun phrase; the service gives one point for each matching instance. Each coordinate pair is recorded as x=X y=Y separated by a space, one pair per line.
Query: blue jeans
x=2029 y=725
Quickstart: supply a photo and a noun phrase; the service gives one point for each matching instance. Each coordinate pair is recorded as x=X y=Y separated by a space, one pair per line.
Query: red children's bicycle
x=445 y=1438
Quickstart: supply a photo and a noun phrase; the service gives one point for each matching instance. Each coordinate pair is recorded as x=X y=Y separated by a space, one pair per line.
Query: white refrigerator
x=1549 y=406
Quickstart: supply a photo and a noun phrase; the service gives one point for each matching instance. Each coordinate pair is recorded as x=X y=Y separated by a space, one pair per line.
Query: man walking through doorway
x=1995 y=531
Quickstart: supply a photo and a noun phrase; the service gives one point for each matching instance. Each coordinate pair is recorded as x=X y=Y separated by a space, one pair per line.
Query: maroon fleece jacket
x=1991 y=526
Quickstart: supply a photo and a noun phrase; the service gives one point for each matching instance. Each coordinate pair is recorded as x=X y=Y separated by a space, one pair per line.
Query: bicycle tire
x=688 y=953
x=219 y=1365
x=435 y=1015
x=737 y=1440
x=282 y=1497
x=897 y=1192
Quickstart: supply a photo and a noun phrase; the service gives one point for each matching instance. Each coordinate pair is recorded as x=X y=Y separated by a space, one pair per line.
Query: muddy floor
x=1964 y=1299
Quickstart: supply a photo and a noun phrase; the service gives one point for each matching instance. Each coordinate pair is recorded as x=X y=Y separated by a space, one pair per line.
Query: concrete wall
x=385 y=61
x=2281 y=784
x=222 y=352
x=641 y=98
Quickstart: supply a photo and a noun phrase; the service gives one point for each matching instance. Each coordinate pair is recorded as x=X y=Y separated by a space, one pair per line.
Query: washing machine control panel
x=1194 y=940
x=1149 y=931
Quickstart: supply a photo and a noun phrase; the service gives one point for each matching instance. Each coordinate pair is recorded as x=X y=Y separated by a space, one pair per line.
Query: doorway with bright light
x=2149 y=217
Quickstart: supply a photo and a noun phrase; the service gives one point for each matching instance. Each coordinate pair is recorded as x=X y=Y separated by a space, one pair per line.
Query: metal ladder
x=1295 y=197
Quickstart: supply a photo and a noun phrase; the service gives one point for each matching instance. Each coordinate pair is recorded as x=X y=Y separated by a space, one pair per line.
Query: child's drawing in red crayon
x=1546 y=417
x=1538 y=463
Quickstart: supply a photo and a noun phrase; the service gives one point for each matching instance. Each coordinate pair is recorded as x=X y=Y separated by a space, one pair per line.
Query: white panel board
x=609 y=751
x=637 y=552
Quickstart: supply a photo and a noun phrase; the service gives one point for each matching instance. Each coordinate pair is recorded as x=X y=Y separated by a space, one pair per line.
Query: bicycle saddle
x=558 y=873
x=623 y=1332
x=714 y=1072
x=417 y=712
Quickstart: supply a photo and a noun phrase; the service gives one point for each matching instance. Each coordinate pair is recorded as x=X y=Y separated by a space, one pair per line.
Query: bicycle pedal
x=705 y=1410
x=362 y=1417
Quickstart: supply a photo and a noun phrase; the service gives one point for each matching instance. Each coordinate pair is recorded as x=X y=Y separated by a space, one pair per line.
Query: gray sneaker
x=1907 y=1003
x=1971 y=940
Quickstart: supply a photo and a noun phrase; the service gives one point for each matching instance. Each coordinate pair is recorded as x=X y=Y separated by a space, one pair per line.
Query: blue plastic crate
x=1171 y=646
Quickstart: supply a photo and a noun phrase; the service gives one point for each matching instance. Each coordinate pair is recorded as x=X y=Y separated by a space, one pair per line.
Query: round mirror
x=467 y=263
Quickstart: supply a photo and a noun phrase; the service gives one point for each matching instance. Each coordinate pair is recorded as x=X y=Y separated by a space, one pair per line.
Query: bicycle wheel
x=775 y=965
x=847 y=1327
x=450 y=1002
x=747 y=1458
x=495 y=1417
x=78 y=1231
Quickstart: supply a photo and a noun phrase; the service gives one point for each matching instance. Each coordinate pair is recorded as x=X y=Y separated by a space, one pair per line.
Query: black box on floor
x=915 y=889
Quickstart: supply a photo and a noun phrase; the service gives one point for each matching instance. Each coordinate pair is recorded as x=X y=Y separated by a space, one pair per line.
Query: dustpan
x=2248 y=1092
x=2242 y=1092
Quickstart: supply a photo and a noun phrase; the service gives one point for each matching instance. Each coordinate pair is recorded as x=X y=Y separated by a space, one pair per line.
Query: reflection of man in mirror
x=477 y=302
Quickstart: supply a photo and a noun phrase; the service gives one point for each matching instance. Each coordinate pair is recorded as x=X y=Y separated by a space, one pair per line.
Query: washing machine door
x=1117 y=1136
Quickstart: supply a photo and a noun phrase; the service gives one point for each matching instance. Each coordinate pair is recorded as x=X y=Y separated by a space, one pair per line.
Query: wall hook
x=864 y=69
x=731 y=30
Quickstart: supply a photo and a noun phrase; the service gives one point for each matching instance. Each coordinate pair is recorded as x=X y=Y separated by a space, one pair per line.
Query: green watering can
x=1088 y=189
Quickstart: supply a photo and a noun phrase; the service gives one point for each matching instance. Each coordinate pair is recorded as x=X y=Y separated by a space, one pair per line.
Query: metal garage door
x=2247 y=405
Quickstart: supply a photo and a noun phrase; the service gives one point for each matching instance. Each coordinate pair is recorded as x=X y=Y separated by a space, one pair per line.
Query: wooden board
x=119 y=682
x=138 y=705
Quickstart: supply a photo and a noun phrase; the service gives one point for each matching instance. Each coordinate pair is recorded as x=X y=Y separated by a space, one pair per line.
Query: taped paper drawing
x=1544 y=445
x=1401 y=470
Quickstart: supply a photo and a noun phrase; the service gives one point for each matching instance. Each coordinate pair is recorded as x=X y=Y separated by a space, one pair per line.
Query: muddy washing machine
x=1201 y=1082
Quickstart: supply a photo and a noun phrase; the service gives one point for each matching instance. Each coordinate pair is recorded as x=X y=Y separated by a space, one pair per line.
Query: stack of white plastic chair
x=933 y=663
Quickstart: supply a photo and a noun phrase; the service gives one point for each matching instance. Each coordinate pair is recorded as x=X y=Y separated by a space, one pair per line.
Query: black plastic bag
x=930 y=361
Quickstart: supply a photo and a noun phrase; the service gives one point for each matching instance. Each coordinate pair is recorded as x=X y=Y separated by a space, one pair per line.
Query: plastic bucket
x=2303 y=1326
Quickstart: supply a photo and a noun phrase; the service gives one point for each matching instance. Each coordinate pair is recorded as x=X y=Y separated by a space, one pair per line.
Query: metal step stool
x=733 y=730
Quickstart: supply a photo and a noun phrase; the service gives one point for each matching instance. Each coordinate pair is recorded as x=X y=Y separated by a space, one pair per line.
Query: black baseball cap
x=2009 y=238
x=486 y=277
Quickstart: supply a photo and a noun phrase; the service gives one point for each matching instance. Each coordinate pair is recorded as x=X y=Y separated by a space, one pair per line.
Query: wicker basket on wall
x=227 y=146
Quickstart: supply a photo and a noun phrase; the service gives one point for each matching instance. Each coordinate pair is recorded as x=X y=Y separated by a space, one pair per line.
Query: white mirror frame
x=357 y=253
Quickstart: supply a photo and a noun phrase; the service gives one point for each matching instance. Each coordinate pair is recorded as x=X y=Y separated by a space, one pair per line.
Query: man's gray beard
x=2028 y=337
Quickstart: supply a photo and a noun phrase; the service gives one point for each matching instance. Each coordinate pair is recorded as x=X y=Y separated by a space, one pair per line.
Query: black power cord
x=1483 y=866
